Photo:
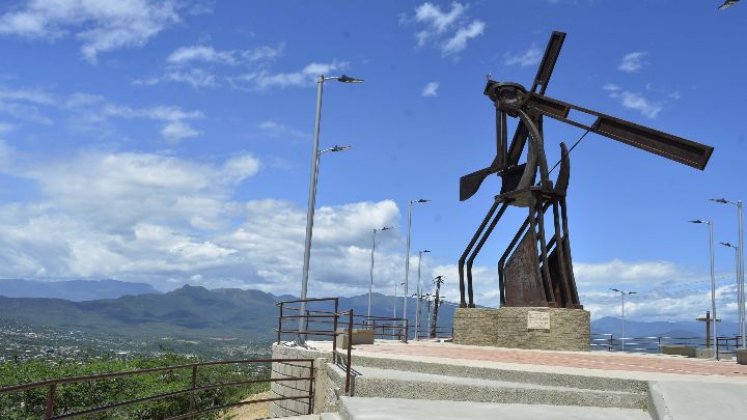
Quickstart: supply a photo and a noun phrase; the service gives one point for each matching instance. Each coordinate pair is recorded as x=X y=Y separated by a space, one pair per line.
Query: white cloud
x=35 y=96
x=529 y=57
x=184 y=55
x=635 y=101
x=200 y=65
x=632 y=62
x=100 y=25
x=263 y=79
x=274 y=129
x=208 y=54
x=175 y=128
x=430 y=89
x=448 y=31
x=169 y=221
x=438 y=20
x=458 y=42
x=617 y=271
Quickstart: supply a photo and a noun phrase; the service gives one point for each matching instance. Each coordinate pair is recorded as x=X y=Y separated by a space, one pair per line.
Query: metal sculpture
x=534 y=271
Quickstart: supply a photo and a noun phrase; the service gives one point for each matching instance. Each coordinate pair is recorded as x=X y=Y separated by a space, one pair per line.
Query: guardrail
x=326 y=321
x=607 y=342
x=54 y=386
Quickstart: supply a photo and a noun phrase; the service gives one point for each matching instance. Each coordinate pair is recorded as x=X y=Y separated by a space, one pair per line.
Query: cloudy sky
x=168 y=142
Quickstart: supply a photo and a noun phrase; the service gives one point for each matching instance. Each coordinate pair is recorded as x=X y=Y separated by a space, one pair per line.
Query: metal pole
x=417 y=309
x=312 y=204
x=743 y=322
x=622 y=339
x=713 y=289
x=370 y=283
x=407 y=267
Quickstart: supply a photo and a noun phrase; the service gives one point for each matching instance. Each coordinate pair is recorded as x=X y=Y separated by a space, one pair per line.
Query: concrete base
x=742 y=356
x=680 y=350
x=517 y=327
x=359 y=337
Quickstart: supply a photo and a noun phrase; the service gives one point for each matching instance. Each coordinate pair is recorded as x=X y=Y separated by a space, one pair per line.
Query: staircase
x=405 y=389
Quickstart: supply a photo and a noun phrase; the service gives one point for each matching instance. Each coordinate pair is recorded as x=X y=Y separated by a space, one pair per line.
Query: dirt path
x=250 y=411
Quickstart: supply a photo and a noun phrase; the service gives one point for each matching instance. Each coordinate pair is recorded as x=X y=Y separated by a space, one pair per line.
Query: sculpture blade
x=548 y=62
x=470 y=183
x=667 y=145
x=544 y=72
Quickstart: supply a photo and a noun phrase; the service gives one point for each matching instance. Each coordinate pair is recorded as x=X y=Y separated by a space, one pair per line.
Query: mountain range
x=74 y=290
x=197 y=311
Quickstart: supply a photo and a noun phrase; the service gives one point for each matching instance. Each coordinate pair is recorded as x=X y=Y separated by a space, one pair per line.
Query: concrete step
x=518 y=375
x=389 y=383
x=357 y=408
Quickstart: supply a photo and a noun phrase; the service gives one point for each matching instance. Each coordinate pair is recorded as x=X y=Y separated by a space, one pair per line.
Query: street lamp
x=394 y=311
x=622 y=319
x=407 y=259
x=713 y=280
x=740 y=265
x=417 y=310
x=315 y=153
x=739 y=297
x=727 y=4
x=370 y=283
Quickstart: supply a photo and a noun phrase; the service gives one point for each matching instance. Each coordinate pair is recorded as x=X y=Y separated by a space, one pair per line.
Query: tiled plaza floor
x=590 y=360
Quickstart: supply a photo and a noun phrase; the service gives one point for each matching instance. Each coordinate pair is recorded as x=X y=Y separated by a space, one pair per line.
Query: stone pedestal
x=523 y=328
x=742 y=356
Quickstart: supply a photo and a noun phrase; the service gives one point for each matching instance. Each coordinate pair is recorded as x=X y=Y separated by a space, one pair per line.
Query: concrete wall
x=298 y=388
x=508 y=327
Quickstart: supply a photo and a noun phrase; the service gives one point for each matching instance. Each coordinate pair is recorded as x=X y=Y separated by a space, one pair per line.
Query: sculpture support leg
x=462 y=259
x=536 y=209
x=477 y=251
x=567 y=298
x=567 y=249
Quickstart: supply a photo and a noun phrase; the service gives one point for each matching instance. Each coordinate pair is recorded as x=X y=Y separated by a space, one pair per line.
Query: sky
x=169 y=142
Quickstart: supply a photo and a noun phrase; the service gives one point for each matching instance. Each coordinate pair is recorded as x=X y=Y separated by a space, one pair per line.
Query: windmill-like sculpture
x=534 y=271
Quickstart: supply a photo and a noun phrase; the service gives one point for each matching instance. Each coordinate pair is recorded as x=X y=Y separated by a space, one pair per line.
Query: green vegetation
x=75 y=397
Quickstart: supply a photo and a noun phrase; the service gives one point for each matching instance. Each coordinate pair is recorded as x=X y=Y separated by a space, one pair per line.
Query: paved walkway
x=657 y=364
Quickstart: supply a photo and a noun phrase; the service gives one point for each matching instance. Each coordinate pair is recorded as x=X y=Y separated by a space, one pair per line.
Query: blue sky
x=169 y=142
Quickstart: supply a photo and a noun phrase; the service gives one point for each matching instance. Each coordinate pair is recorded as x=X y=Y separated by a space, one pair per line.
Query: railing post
x=192 y=392
x=311 y=387
x=280 y=322
x=715 y=340
x=334 y=333
x=49 y=410
x=609 y=344
x=407 y=328
x=350 y=347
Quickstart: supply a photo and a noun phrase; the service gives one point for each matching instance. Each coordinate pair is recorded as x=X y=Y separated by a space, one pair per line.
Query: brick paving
x=591 y=360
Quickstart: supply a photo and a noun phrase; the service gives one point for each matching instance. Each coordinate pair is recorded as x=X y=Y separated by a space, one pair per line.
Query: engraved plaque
x=537 y=320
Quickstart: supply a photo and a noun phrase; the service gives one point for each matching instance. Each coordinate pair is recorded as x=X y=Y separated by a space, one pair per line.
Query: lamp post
x=740 y=266
x=394 y=311
x=370 y=283
x=407 y=259
x=713 y=280
x=312 y=189
x=417 y=310
x=622 y=319
x=739 y=295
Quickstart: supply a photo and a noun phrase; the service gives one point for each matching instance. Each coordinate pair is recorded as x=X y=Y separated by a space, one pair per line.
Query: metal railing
x=51 y=410
x=321 y=317
x=607 y=342
x=425 y=333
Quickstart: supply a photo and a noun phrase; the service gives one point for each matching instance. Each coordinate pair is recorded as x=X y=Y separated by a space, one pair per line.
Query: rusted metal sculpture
x=534 y=271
